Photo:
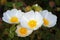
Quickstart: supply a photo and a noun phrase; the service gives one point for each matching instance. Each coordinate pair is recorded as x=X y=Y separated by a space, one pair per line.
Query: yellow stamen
x=23 y=31
x=46 y=22
x=32 y=23
x=14 y=19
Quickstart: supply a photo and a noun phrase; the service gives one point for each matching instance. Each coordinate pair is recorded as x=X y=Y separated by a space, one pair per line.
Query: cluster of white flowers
x=29 y=21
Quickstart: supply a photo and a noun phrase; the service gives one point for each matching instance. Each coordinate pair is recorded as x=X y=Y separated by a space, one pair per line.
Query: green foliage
x=13 y=28
x=12 y=31
x=44 y=33
x=9 y=4
x=7 y=31
x=19 y=4
x=57 y=2
x=37 y=8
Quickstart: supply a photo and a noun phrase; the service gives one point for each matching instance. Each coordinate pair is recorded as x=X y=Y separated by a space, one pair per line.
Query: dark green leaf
x=9 y=4
x=13 y=28
x=18 y=4
x=11 y=34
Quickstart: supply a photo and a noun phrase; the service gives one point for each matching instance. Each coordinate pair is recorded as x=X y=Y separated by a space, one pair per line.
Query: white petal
x=4 y=19
x=6 y=14
x=35 y=16
x=19 y=14
x=53 y=19
x=39 y=19
x=23 y=22
x=29 y=15
x=11 y=13
x=44 y=13
x=18 y=34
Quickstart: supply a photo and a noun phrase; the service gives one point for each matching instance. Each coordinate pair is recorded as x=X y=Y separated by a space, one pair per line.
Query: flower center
x=46 y=22
x=14 y=19
x=23 y=31
x=32 y=23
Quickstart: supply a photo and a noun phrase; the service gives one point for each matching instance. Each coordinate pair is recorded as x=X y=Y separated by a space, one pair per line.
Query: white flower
x=12 y=16
x=23 y=32
x=31 y=20
x=48 y=18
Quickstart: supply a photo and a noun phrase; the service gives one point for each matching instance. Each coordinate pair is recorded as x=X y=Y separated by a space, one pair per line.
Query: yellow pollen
x=23 y=31
x=14 y=19
x=46 y=22
x=32 y=23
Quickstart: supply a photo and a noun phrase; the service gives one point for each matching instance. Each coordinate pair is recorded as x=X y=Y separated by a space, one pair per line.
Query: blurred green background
x=40 y=34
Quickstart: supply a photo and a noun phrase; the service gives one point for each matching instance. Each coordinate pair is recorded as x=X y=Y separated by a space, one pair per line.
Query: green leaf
x=57 y=2
x=12 y=31
x=9 y=4
x=18 y=4
x=13 y=28
x=11 y=34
